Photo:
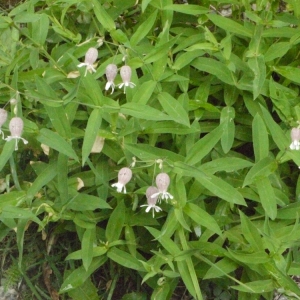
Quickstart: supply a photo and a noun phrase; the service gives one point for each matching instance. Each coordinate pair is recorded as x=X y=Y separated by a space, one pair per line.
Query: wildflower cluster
x=16 y=126
x=111 y=71
x=154 y=194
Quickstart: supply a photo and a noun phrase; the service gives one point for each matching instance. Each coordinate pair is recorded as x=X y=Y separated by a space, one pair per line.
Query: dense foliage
x=210 y=102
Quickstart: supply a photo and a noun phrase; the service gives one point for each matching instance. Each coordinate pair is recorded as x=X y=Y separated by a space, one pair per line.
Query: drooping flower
x=124 y=177
x=125 y=73
x=295 y=136
x=151 y=201
x=90 y=58
x=3 y=118
x=162 y=182
x=111 y=72
x=16 y=125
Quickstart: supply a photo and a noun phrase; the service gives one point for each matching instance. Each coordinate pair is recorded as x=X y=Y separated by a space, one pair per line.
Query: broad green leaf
x=227 y=121
x=86 y=291
x=221 y=268
x=227 y=164
x=143 y=29
x=27 y=17
x=90 y=134
x=115 y=223
x=189 y=9
x=289 y=212
x=80 y=275
x=258 y=257
x=11 y=198
x=55 y=141
x=260 y=170
x=230 y=25
x=258 y=67
x=40 y=29
x=7 y=151
x=276 y=132
x=277 y=50
x=184 y=59
x=147 y=152
x=201 y=217
x=174 y=109
x=214 y=184
x=125 y=259
x=103 y=16
x=257 y=287
x=267 y=197
x=142 y=111
x=87 y=242
x=144 y=92
x=215 y=68
x=180 y=218
x=204 y=146
x=160 y=51
x=260 y=138
x=82 y=202
x=289 y=72
x=44 y=178
x=251 y=233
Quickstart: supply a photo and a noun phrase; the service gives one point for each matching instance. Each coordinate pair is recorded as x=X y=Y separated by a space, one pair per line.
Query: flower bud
x=162 y=182
x=91 y=56
x=111 y=72
x=125 y=73
x=151 y=190
x=124 y=175
x=16 y=125
x=3 y=116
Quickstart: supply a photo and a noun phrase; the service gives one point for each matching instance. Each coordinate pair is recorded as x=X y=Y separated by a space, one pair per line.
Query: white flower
x=125 y=73
x=162 y=182
x=111 y=72
x=16 y=128
x=124 y=177
x=90 y=58
x=3 y=118
x=295 y=136
x=151 y=201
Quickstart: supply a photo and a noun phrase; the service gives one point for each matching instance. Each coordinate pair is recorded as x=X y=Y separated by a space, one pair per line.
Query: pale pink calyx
x=151 y=201
x=111 y=72
x=89 y=60
x=124 y=177
x=16 y=126
x=125 y=73
x=162 y=182
x=295 y=136
x=3 y=118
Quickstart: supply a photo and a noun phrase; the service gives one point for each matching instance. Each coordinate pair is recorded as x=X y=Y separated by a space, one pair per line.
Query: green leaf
x=189 y=9
x=80 y=275
x=230 y=25
x=227 y=120
x=87 y=242
x=251 y=233
x=258 y=257
x=277 y=50
x=40 y=29
x=214 y=184
x=204 y=146
x=216 y=68
x=82 y=202
x=260 y=138
x=55 y=141
x=115 y=223
x=267 y=197
x=180 y=218
x=184 y=59
x=11 y=198
x=221 y=268
x=7 y=151
x=90 y=134
x=174 y=109
x=201 y=217
x=144 y=92
x=142 y=111
x=289 y=72
x=257 y=287
x=103 y=17
x=125 y=259
x=143 y=29
x=260 y=170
